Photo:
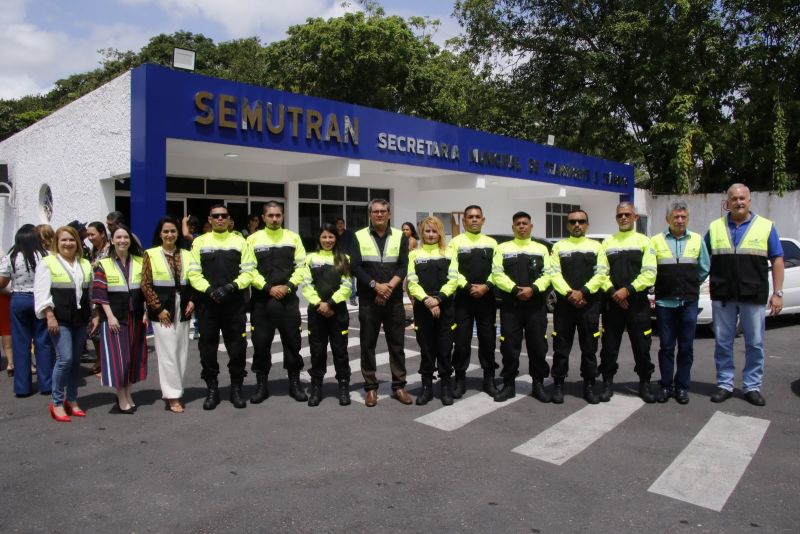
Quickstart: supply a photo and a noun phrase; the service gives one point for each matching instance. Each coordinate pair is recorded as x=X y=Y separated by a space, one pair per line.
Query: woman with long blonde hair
x=432 y=286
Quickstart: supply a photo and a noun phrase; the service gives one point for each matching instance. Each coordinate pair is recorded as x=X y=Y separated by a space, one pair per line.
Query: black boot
x=508 y=391
x=645 y=392
x=236 y=396
x=344 y=392
x=539 y=393
x=447 y=391
x=296 y=390
x=588 y=392
x=460 y=387
x=488 y=383
x=316 y=392
x=426 y=394
x=607 y=391
x=262 y=390
x=558 y=391
x=212 y=394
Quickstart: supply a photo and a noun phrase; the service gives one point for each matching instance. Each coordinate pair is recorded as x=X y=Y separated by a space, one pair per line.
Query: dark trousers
x=392 y=317
x=676 y=325
x=321 y=331
x=25 y=327
x=266 y=316
x=228 y=317
x=529 y=321
x=637 y=321
x=566 y=319
x=483 y=313
x=435 y=339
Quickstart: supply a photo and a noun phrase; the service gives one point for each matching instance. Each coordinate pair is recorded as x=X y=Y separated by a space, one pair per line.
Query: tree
x=657 y=83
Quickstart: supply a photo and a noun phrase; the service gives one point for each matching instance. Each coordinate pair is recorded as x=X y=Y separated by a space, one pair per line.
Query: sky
x=46 y=40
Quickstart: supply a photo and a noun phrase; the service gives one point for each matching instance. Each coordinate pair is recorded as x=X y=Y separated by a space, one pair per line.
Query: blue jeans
x=676 y=325
x=69 y=344
x=752 y=319
x=26 y=328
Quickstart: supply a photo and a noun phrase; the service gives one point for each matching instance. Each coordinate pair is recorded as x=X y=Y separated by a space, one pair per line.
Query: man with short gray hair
x=740 y=243
x=683 y=262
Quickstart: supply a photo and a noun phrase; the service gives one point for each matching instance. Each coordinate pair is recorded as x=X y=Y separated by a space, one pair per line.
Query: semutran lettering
x=228 y=111
x=415 y=145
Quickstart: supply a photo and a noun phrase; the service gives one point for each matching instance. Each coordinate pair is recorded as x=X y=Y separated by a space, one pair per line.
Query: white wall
x=75 y=151
x=784 y=211
x=499 y=205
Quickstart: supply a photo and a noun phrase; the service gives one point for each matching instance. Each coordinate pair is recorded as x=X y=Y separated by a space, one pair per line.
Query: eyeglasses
x=624 y=215
x=577 y=221
x=219 y=215
x=380 y=212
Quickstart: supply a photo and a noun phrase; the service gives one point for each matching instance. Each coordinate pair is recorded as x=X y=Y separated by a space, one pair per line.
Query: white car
x=791 y=284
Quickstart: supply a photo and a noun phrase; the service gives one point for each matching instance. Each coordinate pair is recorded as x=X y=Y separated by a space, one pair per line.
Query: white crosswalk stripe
x=575 y=433
x=707 y=471
x=412 y=382
x=331 y=369
x=382 y=358
x=468 y=409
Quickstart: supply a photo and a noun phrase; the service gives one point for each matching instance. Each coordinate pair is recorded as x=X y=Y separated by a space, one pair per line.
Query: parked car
x=550 y=298
x=791 y=284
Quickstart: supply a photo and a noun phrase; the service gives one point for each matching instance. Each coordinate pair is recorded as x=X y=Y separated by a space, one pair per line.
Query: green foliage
x=682 y=87
x=696 y=94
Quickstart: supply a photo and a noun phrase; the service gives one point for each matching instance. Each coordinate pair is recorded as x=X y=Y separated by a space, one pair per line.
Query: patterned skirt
x=123 y=355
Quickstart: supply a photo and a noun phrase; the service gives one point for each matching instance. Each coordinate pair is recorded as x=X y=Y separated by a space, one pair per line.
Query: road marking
x=575 y=433
x=706 y=472
x=380 y=359
x=466 y=410
x=412 y=382
x=331 y=369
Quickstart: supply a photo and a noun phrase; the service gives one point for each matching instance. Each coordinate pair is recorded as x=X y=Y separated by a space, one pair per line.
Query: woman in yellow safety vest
x=169 y=307
x=61 y=296
x=117 y=292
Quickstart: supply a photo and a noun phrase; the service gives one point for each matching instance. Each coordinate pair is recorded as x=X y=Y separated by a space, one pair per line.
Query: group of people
x=59 y=297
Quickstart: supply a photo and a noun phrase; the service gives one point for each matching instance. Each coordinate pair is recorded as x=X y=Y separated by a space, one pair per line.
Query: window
x=556 y=218
x=308 y=191
x=226 y=187
x=332 y=192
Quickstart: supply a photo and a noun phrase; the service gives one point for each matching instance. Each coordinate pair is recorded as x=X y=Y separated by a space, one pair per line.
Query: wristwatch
x=778 y=293
x=372 y=284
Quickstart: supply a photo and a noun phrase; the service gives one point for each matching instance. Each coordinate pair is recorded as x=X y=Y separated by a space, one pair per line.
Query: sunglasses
x=624 y=215
x=219 y=215
x=577 y=221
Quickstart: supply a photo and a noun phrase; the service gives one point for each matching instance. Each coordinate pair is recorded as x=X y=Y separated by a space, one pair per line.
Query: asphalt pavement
x=477 y=466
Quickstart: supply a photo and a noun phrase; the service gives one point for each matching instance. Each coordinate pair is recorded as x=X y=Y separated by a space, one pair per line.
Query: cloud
x=18 y=85
x=245 y=18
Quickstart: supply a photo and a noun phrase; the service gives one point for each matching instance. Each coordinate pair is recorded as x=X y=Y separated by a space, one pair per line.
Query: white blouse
x=42 y=298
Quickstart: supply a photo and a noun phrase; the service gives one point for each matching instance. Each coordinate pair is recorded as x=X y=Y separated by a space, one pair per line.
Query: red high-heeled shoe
x=59 y=418
x=71 y=410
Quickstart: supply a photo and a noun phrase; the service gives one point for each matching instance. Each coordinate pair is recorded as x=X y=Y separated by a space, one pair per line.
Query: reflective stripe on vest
x=116 y=281
x=162 y=274
x=754 y=242
x=369 y=247
x=690 y=254
x=61 y=278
